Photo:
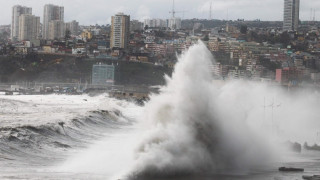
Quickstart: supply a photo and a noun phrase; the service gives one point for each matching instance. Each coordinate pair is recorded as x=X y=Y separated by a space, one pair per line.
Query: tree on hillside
x=146 y=27
x=285 y=38
x=243 y=29
x=67 y=35
x=205 y=38
x=4 y=36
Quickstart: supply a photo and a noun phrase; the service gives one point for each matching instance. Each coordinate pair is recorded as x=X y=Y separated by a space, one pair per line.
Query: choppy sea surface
x=72 y=137
x=39 y=133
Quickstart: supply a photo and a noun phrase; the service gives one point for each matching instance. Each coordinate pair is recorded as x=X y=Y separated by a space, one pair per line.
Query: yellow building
x=48 y=49
x=143 y=58
x=86 y=34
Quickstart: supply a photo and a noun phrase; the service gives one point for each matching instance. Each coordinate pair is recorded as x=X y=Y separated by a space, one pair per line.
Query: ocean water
x=40 y=132
x=193 y=129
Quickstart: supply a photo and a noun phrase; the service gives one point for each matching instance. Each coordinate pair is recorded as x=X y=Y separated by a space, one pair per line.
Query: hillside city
x=281 y=52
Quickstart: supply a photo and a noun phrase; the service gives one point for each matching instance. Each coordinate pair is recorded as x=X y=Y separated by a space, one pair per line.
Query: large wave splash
x=190 y=130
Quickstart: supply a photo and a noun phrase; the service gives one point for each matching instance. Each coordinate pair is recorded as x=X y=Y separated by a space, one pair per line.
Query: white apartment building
x=56 y=30
x=73 y=27
x=160 y=23
x=291 y=15
x=29 y=27
x=174 y=23
x=17 y=11
x=51 y=13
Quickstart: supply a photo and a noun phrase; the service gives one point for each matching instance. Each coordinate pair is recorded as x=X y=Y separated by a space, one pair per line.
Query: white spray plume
x=189 y=131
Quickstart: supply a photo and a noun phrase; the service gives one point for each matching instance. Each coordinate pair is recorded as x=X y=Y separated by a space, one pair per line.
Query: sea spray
x=188 y=134
x=196 y=126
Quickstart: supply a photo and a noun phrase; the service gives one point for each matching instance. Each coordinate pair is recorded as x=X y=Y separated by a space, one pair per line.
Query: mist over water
x=196 y=126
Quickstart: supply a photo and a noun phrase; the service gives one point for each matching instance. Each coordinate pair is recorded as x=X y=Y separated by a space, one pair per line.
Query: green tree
x=4 y=36
x=67 y=35
x=243 y=29
x=285 y=38
x=205 y=38
x=255 y=37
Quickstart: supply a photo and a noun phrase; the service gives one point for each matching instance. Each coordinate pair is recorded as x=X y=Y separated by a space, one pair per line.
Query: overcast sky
x=100 y=11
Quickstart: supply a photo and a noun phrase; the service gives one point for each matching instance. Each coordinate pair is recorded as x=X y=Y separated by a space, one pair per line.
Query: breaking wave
x=191 y=132
x=38 y=145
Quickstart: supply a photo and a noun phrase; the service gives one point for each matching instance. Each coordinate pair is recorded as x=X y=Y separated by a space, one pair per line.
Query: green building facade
x=103 y=74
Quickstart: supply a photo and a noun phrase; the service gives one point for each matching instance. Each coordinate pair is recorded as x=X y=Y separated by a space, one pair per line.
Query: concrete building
x=51 y=13
x=238 y=74
x=120 y=31
x=73 y=27
x=103 y=74
x=155 y=23
x=17 y=11
x=291 y=15
x=219 y=70
x=288 y=75
x=174 y=23
x=149 y=23
x=29 y=27
x=315 y=76
x=136 y=25
x=56 y=30
x=161 y=23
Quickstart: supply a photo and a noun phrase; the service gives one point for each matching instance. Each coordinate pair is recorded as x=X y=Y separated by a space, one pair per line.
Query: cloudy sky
x=100 y=11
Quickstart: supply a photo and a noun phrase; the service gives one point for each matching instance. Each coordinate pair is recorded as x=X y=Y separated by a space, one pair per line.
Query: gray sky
x=100 y=11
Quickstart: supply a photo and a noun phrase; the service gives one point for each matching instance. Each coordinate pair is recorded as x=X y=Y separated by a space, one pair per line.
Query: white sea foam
x=21 y=110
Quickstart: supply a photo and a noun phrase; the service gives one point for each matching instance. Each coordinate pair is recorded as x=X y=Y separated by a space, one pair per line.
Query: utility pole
x=210 y=15
x=272 y=106
x=272 y=114
x=264 y=110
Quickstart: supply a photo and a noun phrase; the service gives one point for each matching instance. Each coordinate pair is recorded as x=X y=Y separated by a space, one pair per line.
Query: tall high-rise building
x=291 y=15
x=120 y=31
x=51 y=13
x=174 y=23
x=56 y=29
x=29 y=27
x=149 y=23
x=16 y=12
x=73 y=27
